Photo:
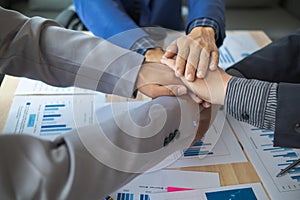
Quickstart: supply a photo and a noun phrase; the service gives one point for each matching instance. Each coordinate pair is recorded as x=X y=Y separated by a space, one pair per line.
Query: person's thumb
x=170 y=62
x=155 y=91
x=169 y=90
x=177 y=90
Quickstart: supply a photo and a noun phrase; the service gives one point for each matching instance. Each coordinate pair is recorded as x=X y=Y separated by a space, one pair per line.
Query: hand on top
x=212 y=88
x=194 y=54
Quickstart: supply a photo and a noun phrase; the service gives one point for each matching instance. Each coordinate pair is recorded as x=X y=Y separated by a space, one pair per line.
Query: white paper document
x=236 y=46
x=253 y=191
x=144 y=185
x=31 y=87
x=50 y=116
x=218 y=146
x=268 y=160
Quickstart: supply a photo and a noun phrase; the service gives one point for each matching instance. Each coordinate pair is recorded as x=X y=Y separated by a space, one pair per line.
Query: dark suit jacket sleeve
x=212 y=9
x=279 y=62
x=109 y=20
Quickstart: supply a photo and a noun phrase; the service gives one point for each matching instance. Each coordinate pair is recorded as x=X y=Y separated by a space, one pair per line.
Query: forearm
x=39 y=49
x=208 y=25
x=268 y=106
x=92 y=162
x=213 y=10
x=252 y=101
x=109 y=20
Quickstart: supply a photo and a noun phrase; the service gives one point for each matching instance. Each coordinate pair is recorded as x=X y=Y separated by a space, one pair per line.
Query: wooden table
x=230 y=174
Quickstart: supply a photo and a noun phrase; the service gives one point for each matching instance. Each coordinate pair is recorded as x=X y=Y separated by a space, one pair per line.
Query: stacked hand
x=156 y=79
x=195 y=53
x=211 y=89
x=194 y=59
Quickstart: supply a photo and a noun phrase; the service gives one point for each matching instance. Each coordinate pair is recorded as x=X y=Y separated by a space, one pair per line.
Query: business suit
x=74 y=166
x=279 y=62
x=111 y=17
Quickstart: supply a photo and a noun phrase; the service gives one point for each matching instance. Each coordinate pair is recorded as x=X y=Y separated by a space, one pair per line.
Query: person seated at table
x=93 y=161
x=120 y=21
x=263 y=89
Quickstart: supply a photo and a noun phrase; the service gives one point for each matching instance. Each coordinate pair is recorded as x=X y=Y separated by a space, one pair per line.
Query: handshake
x=159 y=79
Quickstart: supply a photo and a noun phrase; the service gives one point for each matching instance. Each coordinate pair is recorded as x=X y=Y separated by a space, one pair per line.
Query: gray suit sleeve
x=92 y=162
x=40 y=49
x=89 y=162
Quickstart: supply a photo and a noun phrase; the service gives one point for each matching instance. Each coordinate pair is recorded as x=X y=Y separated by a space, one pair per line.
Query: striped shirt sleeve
x=252 y=101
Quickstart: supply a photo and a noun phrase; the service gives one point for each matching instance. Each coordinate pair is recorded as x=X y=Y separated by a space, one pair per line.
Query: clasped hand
x=156 y=79
x=194 y=59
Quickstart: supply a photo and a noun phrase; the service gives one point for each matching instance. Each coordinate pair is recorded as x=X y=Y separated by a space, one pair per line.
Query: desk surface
x=230 y=174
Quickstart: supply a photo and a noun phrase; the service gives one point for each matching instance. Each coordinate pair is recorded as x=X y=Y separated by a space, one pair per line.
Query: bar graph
x=144 y=197
x=280 y=156
x=225 y=56
x=52 y=120
x=48 y=117
x=236 y=47
x=196 y=151
x=125 y=196
x=243 y=193
x=131 y=196
x=269 y=160
x=217 y=146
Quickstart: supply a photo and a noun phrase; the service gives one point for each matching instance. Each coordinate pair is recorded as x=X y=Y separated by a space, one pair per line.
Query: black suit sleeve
x=279 y=62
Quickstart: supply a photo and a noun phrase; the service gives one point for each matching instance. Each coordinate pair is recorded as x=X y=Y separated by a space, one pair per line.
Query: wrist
x=200 y=31
x=153 y=55
x=226 y=79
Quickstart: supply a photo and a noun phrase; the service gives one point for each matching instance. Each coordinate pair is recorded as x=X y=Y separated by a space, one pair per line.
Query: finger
x=155 y=91
x=170 y=62
x=195 y=98
x=181 y=58
x=171 y=50
x=203 y=63
x=177 y=90
x=206 y=104
x=192 y=63
x=214 y=60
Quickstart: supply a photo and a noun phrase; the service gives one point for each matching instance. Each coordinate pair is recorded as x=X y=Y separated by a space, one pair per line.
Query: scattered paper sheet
x=218 y=146
x=268 y=160
x=236 y=46
x=157 y=182
x=32 y=87
x=50 y=116
x=252 y=191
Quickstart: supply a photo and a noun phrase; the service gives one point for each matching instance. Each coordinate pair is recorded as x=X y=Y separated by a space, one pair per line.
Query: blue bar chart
x=236 y=48
x=196 y=151
x=217 y=146
x=225 y=56
x=244 y=193
x=269 y=160
x=48 y=117
x=281 y=156
x=52 y=120
x=131 y=196
x=125 y=196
